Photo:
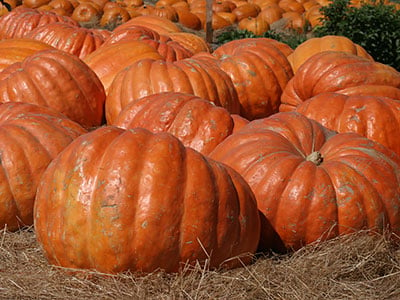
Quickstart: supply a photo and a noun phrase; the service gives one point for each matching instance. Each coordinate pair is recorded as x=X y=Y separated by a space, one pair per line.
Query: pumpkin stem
x=315 y=157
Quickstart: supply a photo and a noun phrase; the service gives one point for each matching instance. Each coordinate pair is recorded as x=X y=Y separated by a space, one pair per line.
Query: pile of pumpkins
x=141 y=149
x=256 y=16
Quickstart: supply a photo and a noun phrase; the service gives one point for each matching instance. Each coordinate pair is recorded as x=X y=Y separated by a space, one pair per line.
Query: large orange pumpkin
x=118 y=200
x=17 y=49
x=59 y=80
x=196 y=122
x=259 y=70
x=192 y=76
x=312 y=184
x=78 y=41
x=107 y=61
x=30 y=137
x=376 y=118
x=21 y=20
x=327 y=43
x=340 y=72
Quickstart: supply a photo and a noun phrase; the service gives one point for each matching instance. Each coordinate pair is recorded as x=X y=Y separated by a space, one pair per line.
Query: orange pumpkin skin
x=59 y=80
x=97 y=208
x=87 y=12
x=149 y=76
x=259 y=70
x=166 y=47
x=108 y=60
x=78 y=41
x=339 y=72
x=22 y=20
x=17 y=49
x=159 y=24
x=196 y=122
x=30 y=137
x=190 y=41
x=312 y=184
x=327 y=43
x=356 y=113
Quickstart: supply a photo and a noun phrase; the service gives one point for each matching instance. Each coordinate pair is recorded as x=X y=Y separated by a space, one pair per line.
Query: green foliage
x=374 y=26
x=291 y=37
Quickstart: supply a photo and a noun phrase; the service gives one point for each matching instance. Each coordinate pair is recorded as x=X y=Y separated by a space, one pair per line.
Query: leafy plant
x=374 y=26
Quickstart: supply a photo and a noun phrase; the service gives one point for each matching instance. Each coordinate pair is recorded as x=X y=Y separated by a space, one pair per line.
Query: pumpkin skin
x=376 y=118
x=21 y=20
x=159 y=24
x=312 y=184
x=339 y=72
x=166 y=47
x=196 y=122
x=30 y=137
x=107 y=61
x=104 y=201
x=59 y=80
x=17 y=49
x=259 y=70
x=78 y=41
x=192 y=42
x=191 y=76
x=330 y=43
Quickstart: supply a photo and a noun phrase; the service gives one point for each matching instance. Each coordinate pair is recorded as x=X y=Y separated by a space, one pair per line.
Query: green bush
x=374 y=26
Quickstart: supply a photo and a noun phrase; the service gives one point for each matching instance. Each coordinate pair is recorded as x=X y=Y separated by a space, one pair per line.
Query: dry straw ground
x=357 y=266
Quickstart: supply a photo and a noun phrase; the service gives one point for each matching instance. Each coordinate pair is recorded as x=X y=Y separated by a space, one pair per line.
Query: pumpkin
x=17 y=49
x=87 y=12
x=312 y=184
x=78 y=41
x=107 y=61
x=118 y=200
x=30 y=137
x=196 y=122
x=114 y=16
x=259 y=70
x=166 y=47
x=339 y=72
x=159 y=24
x=190 y=41
x=376 y=118
x=21 y=20
x=59 y=80
x=327 y=43
x=149 y=76
x=256 y=25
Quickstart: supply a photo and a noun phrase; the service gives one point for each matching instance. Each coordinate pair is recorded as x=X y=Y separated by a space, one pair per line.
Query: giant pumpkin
x=312 y=184
x=339 y=72
x=30 y=137
x=376 y=118
x=59 y=80
x=197 y=122
x=118 y=200
x=192 y=76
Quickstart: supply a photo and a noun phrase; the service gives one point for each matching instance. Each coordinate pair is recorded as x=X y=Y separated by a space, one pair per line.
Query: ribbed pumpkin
x=149 y=76
x=196 y=122
x=166 y=47
x=327 y=43
x=30 y=137
x=376 y=118
x=17 y=49
x=311 y=183
x=107 y=61
x=18 y=22
x=159 y=24
x=118 y=200
x=339 y=72
x=259 y=70
x=58 y=80
x=190 y=41
x=78 y=41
